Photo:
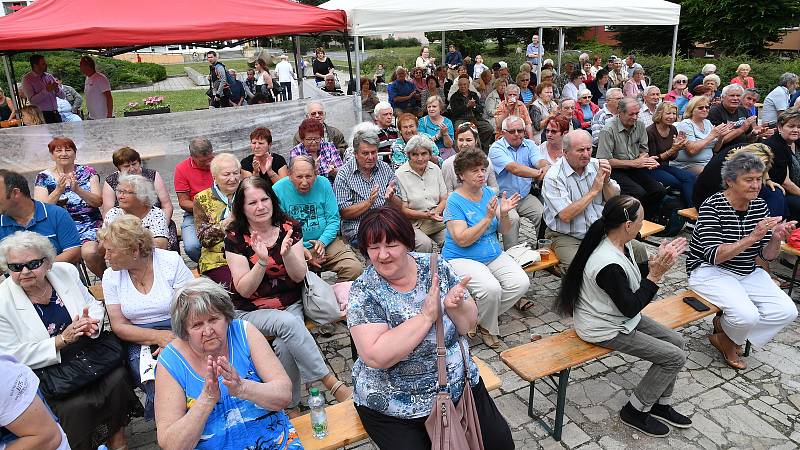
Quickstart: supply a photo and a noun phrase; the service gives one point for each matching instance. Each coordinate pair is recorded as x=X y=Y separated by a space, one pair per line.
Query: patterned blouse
x=406 y=390
x=54 y=315
x=87 y=218
x=277 y=290
x=328 y=157
x=208 y=215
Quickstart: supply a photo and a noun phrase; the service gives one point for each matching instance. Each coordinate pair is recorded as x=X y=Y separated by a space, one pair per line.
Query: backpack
x=667 y=215
x=229 y=80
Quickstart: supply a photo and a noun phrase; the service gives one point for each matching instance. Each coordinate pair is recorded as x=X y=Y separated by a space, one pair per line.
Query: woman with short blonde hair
x=742 y=77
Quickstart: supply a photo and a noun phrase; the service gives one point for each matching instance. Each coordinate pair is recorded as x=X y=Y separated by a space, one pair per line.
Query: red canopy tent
x=92 y=24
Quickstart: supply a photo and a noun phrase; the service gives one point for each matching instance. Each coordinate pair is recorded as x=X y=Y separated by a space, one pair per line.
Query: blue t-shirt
x=487 y=247
x=501 y=154
x=51 y=221
x=407 y=389
x=427 y=127
x=233 y=423
x=587 y=112
x=316 y=211
x=401 y=88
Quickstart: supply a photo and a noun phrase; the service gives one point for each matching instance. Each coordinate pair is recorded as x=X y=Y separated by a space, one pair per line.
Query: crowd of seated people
x=443 y=176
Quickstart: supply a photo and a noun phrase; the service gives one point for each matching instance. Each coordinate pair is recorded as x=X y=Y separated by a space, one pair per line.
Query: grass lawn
x=187 y=100
x=240 y=65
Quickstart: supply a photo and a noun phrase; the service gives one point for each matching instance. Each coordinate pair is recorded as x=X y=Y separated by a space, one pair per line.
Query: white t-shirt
x=93 y=90
x=169 y=273
x=18 y=387
x=285 y=72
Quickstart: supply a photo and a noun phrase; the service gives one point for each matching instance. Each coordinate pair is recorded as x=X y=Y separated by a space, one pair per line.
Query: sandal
x=472 y=333
x=489 y=339
x=524 y=304
x=718 y=329
x=337 y=387
x=734 y=363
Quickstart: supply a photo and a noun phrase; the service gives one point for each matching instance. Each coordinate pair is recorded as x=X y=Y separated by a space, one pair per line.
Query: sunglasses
x=681 y=81
x=30 y=265
x=515 y=131
x=704 y=107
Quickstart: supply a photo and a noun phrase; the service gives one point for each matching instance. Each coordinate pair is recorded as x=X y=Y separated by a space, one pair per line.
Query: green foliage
x=390 y=59
x=470 y=42
x=654 y=40
x=372 y=43
x=187 y=100
x=594 y=48
x=65 y=65
x=765 y=71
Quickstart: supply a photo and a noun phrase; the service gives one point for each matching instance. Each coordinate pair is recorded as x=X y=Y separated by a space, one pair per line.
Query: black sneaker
x=666 y=413
x=643 y=421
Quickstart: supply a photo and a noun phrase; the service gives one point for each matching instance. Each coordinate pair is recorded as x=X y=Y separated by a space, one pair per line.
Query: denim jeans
x=661 y=346
x=191 y=245
x=677 y=178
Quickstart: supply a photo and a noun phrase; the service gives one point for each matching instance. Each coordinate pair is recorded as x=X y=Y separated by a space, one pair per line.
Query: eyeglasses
x=704 y=107
x=30 y=265
x=121 y=192
x=310 y=139
x=316 y=113
x=681 y=81
x=515 y=131
x=549 y=131
x=587 y=96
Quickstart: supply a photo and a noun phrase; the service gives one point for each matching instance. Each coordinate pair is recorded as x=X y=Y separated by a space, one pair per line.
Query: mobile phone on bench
x=696 y=304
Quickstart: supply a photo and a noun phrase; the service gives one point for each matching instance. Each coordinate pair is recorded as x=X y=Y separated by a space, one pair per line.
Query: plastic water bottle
x=319 y=420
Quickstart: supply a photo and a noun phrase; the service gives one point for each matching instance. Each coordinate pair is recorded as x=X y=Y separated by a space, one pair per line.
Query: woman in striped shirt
x=733 y=228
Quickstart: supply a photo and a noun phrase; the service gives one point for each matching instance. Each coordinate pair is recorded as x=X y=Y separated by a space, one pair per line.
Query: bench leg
x=561 y=401
x=794 y=276
x=746 y=349
x=353 y=349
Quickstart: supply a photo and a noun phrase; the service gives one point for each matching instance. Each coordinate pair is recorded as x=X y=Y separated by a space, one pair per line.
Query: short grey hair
x=713 y=77
x=221 y=159
x=366 y=132
x=142 y=188
x=26 y=240
x=584 y=92
x=625 y=103
x=567 y=140
x=380 y=107
x=509 y=120
x=512 y=87
x=741 y=163
x=613 y=91
x=650 y=88
x=708 y=68
x=303 y=158
x=753 y=91
x=200 y=147
x=196 y=297
x=310 y=104
x=731 y=87
x=638 y=70
x=791 y=113
x=419 y=141
x=787 y=78
x=436 y=98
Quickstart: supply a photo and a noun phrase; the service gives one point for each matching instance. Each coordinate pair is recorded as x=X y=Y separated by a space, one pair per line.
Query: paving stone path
x=756 y=408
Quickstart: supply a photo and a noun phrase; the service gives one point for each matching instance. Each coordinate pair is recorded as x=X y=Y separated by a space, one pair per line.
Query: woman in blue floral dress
x=76 y=188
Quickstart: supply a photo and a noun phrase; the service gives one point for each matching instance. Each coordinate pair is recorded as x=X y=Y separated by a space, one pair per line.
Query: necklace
x=139 y=283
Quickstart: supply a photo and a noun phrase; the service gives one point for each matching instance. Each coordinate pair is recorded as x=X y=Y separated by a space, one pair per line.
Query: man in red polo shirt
x=193 y=175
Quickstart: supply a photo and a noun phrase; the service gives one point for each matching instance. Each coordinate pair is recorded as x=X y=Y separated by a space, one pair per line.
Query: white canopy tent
x=374 y=17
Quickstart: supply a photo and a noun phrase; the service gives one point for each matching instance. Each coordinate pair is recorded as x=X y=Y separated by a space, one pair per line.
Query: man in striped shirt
x=575 y=189
x=364 y=182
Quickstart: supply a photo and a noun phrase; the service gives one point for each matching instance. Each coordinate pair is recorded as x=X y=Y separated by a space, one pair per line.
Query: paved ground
x=754 y=408
x=170 y=84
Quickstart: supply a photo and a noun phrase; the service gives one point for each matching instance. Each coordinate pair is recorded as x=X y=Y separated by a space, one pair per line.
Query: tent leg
x=349 y=62
x=12 y=85
x=356 y=97
x=560 y=48
x=299 y=71
x=444 y=51
x=541 y=57
x=672 y=64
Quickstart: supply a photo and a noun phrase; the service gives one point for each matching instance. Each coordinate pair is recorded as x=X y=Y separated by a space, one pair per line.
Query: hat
x=612 y=58
x=503 y=64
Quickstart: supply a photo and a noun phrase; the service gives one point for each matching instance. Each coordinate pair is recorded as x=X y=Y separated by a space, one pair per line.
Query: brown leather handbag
x=451 y=427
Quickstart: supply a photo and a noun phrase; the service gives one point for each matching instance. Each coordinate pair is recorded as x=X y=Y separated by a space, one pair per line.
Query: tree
x=729 y=26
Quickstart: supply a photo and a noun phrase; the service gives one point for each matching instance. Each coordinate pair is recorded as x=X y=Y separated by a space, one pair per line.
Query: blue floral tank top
x=234 y=423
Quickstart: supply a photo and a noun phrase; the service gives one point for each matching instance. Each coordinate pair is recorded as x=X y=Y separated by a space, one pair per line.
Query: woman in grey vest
x=605 y=290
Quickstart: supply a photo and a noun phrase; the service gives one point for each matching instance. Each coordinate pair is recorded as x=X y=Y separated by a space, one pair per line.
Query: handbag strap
x=441 y=351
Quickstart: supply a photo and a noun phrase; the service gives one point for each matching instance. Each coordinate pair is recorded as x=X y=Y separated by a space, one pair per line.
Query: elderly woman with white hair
x=47 y=317
x=218 y=368
x=742 y=77
x=137 y=196
x=708 y=69
x=137 y=288
x=732 y=229
x=679 y=94
x=713 y=82
x=424 y=193
x=512 y=106
x=635 y=85
x=438 y=127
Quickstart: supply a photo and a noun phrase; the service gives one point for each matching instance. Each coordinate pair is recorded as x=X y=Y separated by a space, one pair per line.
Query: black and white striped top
x=717 y=224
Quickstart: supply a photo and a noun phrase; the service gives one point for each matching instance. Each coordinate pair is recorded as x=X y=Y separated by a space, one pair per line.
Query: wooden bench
x=788 y=249
x=344 y=425
x=552 y=261
x=689 y=213
x=559 y=353
x=648 y=230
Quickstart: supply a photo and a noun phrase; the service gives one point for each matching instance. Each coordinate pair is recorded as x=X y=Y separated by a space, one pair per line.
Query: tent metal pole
x=349 y=62
x=12 y=85
x=357 y=81
x=541 y=57
x=444 y=50
x=672 y=64
x=560 y=48
x=298 y=69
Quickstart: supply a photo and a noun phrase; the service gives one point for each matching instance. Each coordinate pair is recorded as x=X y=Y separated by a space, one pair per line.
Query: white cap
x=503 y=64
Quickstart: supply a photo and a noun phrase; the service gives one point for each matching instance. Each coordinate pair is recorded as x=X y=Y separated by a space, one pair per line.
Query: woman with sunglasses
x=46 y=313
x=679 y=94
x=703 y=140
x=586 y=109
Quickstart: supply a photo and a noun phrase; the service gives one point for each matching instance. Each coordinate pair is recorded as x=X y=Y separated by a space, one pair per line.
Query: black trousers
x=51 y=116
x=391 y=433
x=639 y=184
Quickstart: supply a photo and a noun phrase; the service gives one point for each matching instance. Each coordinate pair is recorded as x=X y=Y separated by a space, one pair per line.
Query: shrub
x=390 y=60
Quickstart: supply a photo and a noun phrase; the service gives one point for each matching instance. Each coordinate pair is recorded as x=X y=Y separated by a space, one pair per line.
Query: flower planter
x=147 y=112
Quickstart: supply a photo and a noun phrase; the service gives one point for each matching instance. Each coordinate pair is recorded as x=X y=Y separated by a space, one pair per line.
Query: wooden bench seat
x=559 y=353
x=552 y=261
x=689 y=213
x=344 y=425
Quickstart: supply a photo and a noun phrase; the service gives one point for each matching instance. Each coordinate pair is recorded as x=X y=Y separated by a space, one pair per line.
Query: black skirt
x=90 y=417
